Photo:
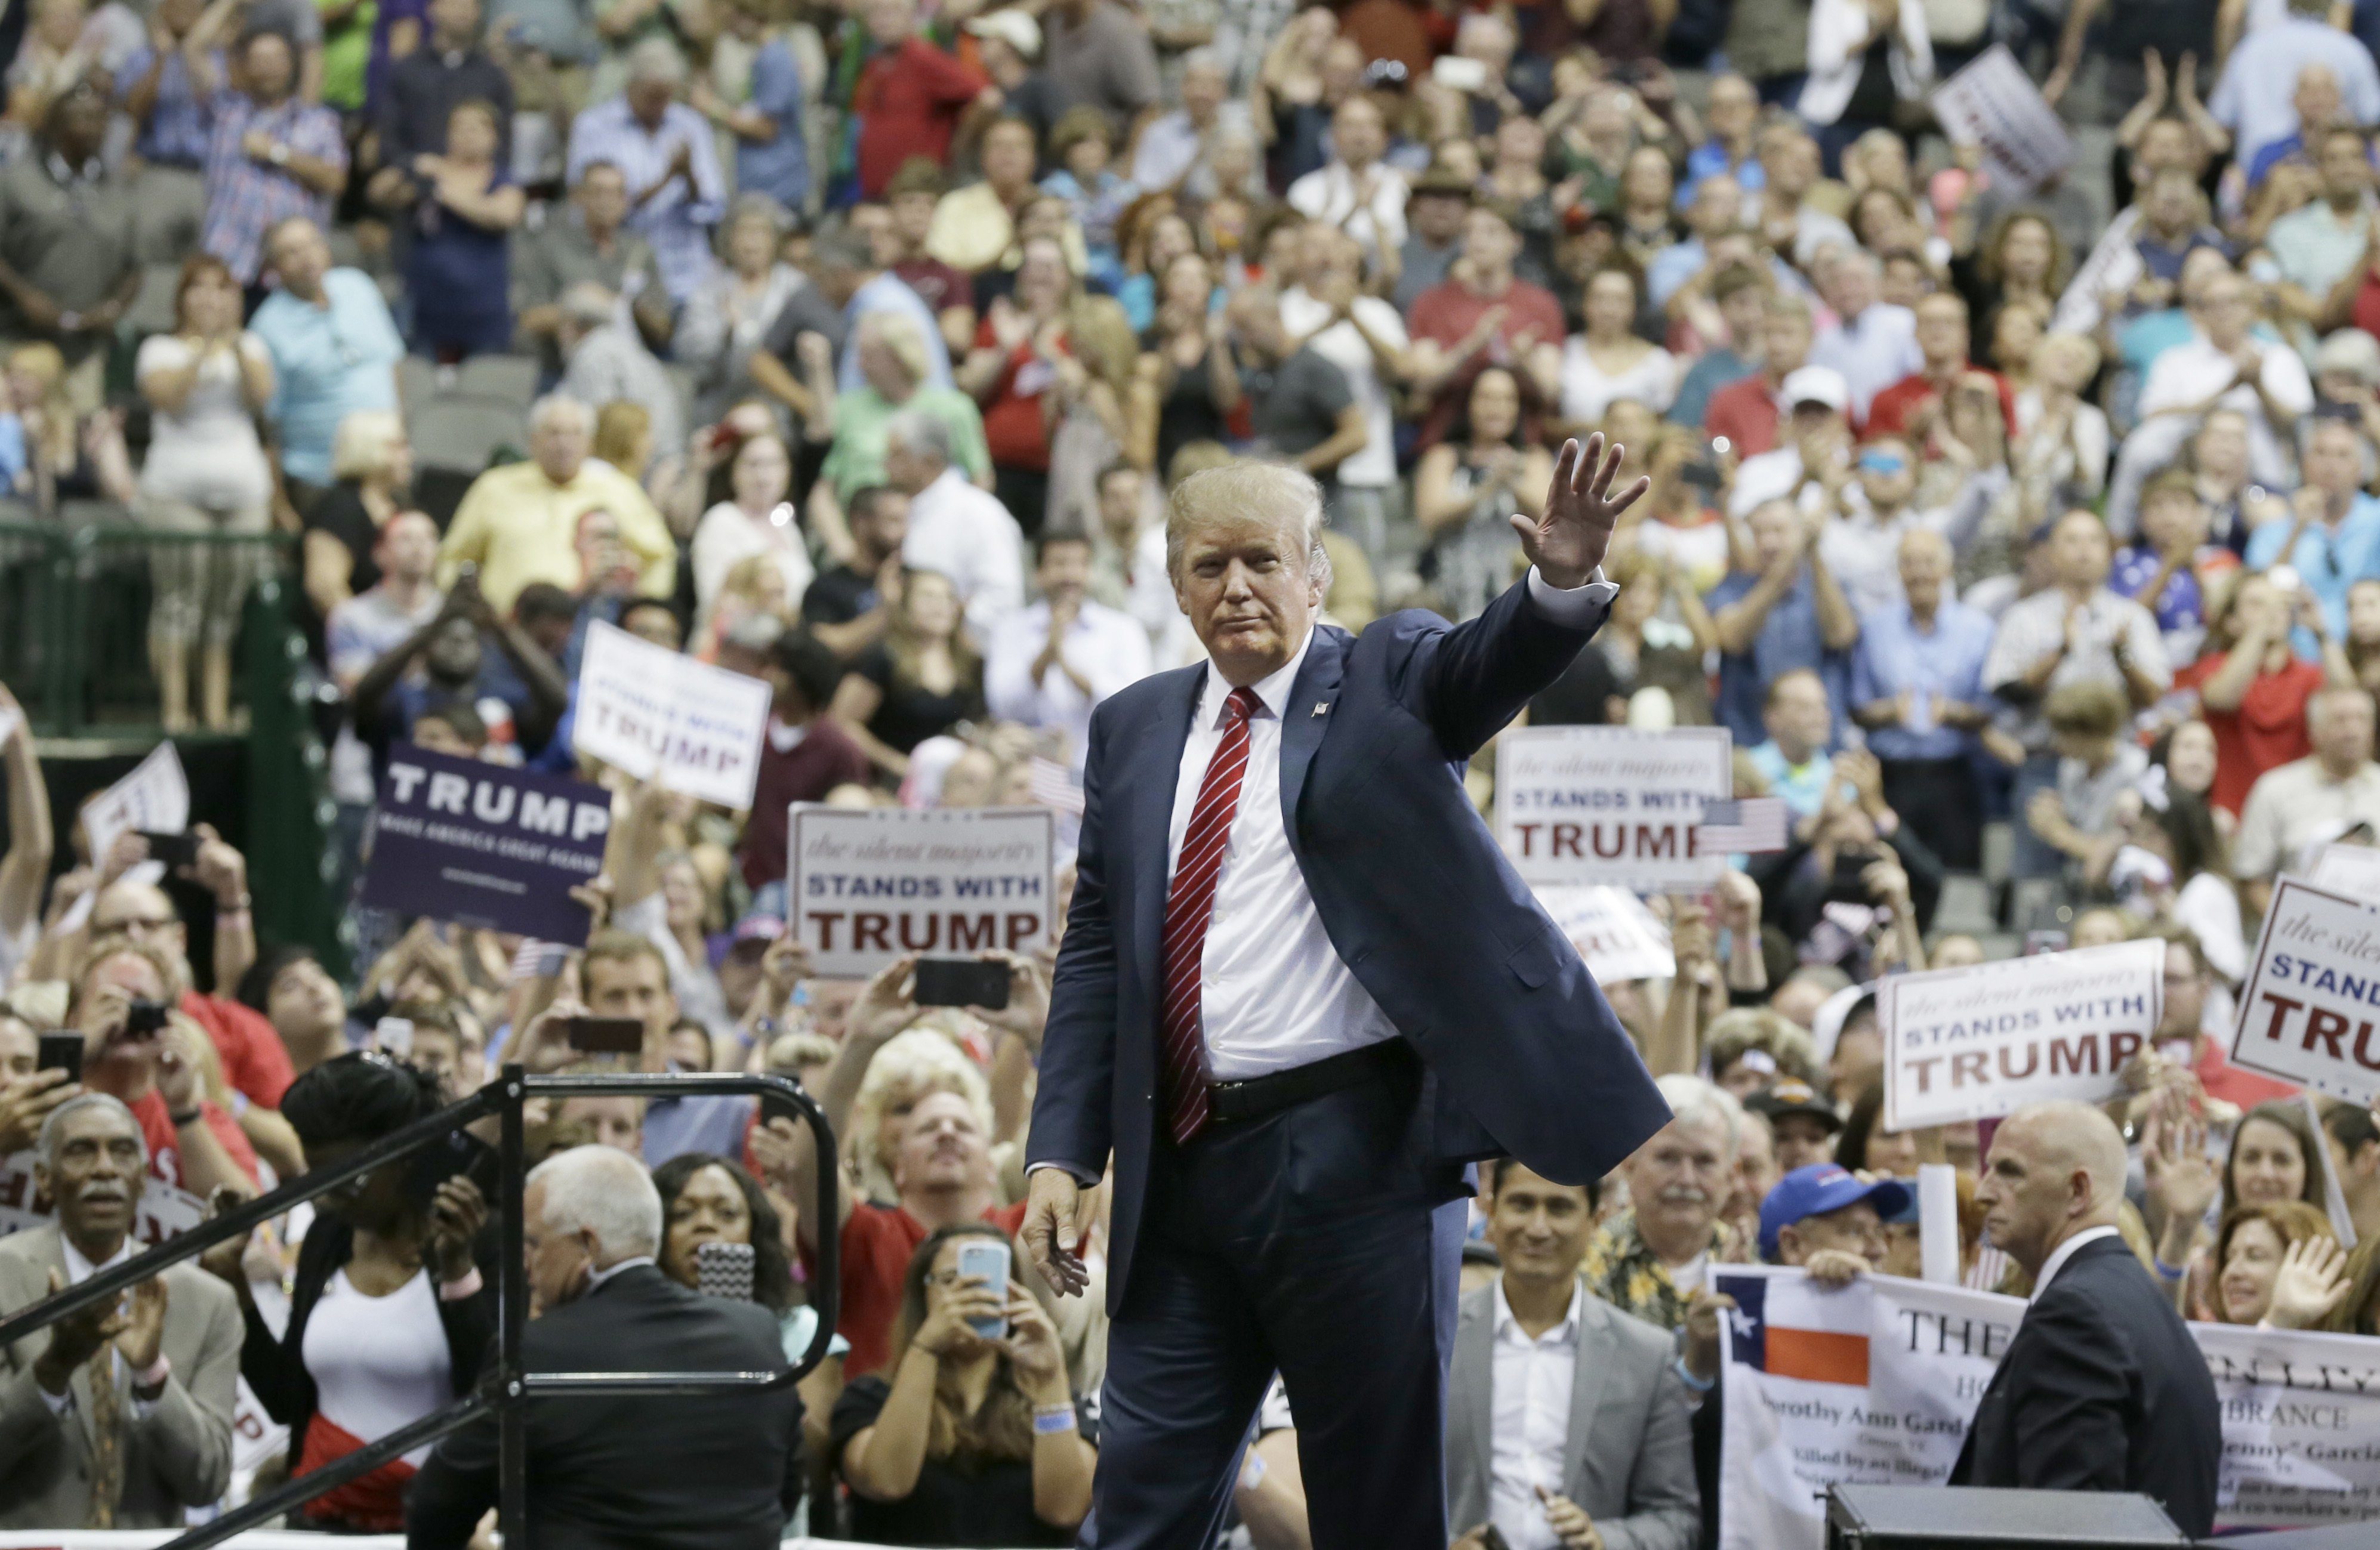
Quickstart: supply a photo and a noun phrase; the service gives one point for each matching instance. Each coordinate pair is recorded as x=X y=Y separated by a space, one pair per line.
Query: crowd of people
x=2016 y=531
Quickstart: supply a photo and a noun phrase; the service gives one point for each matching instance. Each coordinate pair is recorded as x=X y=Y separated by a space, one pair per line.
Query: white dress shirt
x=1530 y=1430
x=1104 y=645
x=1873 y=351
x=2066 y=1250
x=966 y=534
x=1273 y=992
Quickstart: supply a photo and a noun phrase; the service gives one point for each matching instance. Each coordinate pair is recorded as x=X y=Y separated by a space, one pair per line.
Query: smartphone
x=61 y=1051
x=962 y=982
x=176 y=850
x=144 y=1021
x=986 y=1260
x=457 y=1155
x=606 y=1035
x=724 y=1270
x=394 y=1036
x=1493 y=1538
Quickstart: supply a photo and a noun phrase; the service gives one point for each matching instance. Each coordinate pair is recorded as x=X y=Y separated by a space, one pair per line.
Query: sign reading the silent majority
x=486 y=846
x=659 y=715
x=1617 y=937
x=2312 y=995
x=1612 y=804
x=869 y=885
x=1972 y=1042
x=1993 y=104
x=1875 y=1382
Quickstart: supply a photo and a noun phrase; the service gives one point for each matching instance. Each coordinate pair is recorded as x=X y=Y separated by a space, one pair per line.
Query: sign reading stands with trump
x=1874 y=1383
x=660 y=716
x=868 y=886
x=2308 y=1011
x=1611 y=805
x=1973 y=1043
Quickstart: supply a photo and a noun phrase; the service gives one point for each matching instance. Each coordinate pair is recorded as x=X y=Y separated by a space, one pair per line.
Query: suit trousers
x=1318 y=1241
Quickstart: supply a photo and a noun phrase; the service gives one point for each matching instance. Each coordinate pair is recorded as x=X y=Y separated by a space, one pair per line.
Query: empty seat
x=505 y=379
x=461 y=433
x=152 y=309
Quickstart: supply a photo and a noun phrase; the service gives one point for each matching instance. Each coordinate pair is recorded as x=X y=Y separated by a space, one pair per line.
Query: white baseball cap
x=1818 y=384
x=1014 y=28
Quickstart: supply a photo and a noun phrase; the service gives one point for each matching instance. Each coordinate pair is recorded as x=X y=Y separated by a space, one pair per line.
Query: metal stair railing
x=508 y=1386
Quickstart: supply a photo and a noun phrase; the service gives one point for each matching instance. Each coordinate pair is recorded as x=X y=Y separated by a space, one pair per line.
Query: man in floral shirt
x=1649 y=1260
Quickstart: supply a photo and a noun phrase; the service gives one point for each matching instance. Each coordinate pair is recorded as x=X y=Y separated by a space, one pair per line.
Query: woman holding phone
x=976 y=1438
x=389 y=1317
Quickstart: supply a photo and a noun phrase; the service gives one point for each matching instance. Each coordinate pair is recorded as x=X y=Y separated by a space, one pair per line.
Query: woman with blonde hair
x=920 y=681
x=624 y=438
x=371 y=470
x=1038 y=356
x=206 y=479
x=915 y=1063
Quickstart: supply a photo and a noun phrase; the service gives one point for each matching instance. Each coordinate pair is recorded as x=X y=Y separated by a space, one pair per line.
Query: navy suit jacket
x=2102 y=1390
x=1521 y=1054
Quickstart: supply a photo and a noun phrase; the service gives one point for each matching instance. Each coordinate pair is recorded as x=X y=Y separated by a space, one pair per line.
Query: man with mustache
x=119 y=1416
x=1648 y=1260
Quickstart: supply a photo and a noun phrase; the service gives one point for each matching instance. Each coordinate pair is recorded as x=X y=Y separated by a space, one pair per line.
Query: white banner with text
x=869 y=885
x=1611 y=805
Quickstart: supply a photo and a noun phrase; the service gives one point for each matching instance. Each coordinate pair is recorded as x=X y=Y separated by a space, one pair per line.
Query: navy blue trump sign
x=485 y=845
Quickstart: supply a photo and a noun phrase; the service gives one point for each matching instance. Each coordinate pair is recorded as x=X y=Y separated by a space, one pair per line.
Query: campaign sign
x=1875 y=1382
x=154 y=796
x=1993 y=105
x=661 y=716
x=1973 y=1043
x=1612 y=804
x=484 y=845
x=1617 y=937
x=2311 y=998
x=2353 y=870
x=869 y=885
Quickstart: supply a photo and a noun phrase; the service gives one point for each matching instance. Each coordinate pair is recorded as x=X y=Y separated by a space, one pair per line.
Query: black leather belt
x=1237 y=1102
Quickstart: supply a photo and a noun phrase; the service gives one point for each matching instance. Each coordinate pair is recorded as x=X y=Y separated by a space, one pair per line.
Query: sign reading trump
x=2307 y=1011
x=869 y=885
x=665 y=717
x=481 y=845
x=1969 y=1044
x=1612 y=804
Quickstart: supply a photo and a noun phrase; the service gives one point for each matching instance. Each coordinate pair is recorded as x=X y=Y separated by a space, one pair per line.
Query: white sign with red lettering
x=1611 y=805
x=1617 y=937
x=869 y=885
x=2312 y=996
x=1973 y=1043
x=2353 y=870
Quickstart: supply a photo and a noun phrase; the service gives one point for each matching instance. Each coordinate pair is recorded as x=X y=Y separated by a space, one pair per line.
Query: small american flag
x=1751 y=827
x=1053 y=785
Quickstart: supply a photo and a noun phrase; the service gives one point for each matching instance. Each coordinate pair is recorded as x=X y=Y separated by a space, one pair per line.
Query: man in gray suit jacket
x=120 y=1416
x=1567 y=1427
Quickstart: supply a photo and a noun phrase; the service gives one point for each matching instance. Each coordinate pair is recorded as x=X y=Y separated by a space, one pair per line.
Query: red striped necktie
x=1182 y=1044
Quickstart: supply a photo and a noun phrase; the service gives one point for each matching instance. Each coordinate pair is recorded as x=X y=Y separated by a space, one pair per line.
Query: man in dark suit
x=698 y=1472
x=1293 y=1019
x=2103 y=1389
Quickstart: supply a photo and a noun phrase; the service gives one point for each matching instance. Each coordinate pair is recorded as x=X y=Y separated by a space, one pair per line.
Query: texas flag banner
x=1871 y=1382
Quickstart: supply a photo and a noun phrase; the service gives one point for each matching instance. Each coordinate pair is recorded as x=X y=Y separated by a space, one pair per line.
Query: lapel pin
x=1321 y=706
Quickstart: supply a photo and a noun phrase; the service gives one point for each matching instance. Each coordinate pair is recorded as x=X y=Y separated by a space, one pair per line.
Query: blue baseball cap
x=1818 y=1188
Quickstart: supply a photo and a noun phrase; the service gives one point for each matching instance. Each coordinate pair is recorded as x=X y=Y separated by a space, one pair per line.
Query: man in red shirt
x=1943 y=341
x=909 y=97
x=1482 y=316
x=1746 y=412
x=250 y=1053
x=942 y=1168
x=158 y=1072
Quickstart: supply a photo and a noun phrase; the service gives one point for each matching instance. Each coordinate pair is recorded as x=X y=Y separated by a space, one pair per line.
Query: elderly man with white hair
x=719 y=1470
x=606 y=362
x=119 y=1416
x=519 y=523
x=955 y=527
x=668 y=155
x=1872 y=343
